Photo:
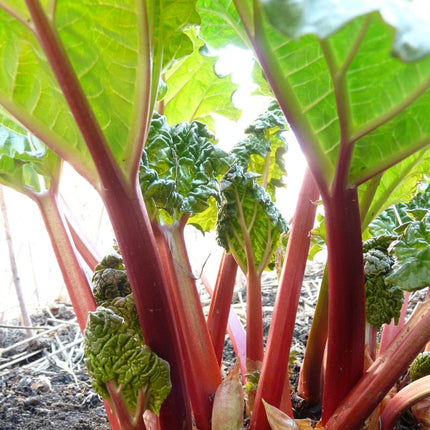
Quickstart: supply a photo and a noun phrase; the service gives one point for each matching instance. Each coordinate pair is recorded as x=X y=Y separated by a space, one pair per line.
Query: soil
x=44 y=383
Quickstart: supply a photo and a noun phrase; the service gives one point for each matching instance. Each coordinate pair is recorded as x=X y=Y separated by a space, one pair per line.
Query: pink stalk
x=219 y=309
x=403 y=400
x=274 y=372
x=346 y=334
x=82 y=242
x=74 y=277
x=390 y=331
x=235 y=330
x=383 y=373
x=203 y=373
x=126 y=420
x=123 y=200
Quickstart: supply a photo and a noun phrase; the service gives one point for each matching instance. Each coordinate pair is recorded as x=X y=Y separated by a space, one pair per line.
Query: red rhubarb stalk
x=74 y=276
x=346 y=334
x=275 y=364
x=203 y=373
x=219 y=309
x=83 y=244
x=235 y=330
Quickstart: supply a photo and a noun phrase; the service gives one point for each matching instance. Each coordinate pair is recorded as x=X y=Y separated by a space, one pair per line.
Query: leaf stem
x=203 y=373
x=346 y=335
x=74 y=277
x=275 y=365
x=220 y=303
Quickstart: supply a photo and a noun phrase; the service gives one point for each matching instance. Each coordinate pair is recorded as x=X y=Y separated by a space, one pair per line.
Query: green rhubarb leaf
x=383 y=301
x=109 y=46
x=263 y=149
x=206 y=221
x=180 y=168
x=221 y=24
x=337 y=81
x=323 y=18
x=114 y=353
x=397 y=217
x=420 y=367
x=172 y=19
x=29 y=90
x=249 y=225
x=397 y=184
x=194 y=91
x=26 y=164
x=110 y=280
x=412 y=253
x=114 y=346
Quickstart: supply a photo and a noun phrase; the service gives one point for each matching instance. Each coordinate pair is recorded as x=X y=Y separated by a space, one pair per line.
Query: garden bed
x=43 y=379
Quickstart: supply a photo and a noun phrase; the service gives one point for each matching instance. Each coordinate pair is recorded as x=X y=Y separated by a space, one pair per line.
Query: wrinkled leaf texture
x=247 y=215
x=180 y=168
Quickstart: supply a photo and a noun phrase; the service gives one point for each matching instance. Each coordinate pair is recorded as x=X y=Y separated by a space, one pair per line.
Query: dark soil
x=44 y=384
x=47 y=390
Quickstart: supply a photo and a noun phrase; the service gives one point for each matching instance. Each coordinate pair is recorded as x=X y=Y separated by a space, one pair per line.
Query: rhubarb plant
x=351 y=79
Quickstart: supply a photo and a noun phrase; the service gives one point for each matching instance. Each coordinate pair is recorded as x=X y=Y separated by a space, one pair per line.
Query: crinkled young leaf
x=180 y=167
x=114 y=353
x=110 y=280
x=412 y=253
x=263 y=149
x=383 y=301
x=248 y=217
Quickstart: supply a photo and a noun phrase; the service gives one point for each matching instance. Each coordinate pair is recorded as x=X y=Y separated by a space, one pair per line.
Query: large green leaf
x=195 y=91
x=395 y=185
x=338 y=83
x=29 y=91
x=323 y=18
x=109 y=45
x=221 y=23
